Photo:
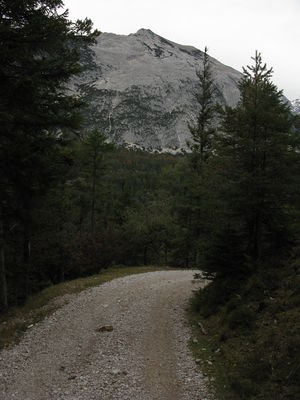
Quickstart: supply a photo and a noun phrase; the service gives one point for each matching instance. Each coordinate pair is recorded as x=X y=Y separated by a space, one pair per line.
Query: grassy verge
x=251 y=349
x=14 y=323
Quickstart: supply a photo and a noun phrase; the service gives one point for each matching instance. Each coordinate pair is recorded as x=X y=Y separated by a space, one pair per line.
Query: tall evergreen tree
x=39 y=53
x=94 y=147
x=258 y=157
x=203 y=130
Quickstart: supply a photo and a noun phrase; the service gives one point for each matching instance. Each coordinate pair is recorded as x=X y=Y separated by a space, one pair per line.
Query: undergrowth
x=252 y=347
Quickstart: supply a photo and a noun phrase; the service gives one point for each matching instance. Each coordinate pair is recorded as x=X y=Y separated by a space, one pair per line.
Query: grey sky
x=232 y=29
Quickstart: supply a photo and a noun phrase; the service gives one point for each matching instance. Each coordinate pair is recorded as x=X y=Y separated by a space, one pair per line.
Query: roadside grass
x=251 y=349
x=18 y=320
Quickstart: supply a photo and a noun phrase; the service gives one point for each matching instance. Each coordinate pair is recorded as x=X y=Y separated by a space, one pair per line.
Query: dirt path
x=144 y=357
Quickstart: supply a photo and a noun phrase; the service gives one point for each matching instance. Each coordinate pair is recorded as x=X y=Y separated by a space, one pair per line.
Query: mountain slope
x=295 y=104
x=142 y=89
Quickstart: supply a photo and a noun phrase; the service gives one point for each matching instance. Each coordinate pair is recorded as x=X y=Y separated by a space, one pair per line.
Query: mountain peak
x=145 y=32
x=142 y=89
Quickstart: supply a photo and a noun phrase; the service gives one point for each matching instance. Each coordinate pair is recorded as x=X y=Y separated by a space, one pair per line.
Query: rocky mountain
x=295 y=104
x=141 y=89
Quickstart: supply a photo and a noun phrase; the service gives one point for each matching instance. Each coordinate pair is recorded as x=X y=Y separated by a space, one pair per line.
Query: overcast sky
x=232 y=29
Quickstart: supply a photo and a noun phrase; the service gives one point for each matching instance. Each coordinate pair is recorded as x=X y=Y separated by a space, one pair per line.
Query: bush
x=244 y=388
x=241 y=318
x=208 y=300
x=233 y=304
x=226 y=257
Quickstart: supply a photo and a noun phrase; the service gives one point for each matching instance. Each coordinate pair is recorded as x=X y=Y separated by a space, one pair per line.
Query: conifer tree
x=202 y=130
x=39 y=53
x=94 y=147
x=258 y=159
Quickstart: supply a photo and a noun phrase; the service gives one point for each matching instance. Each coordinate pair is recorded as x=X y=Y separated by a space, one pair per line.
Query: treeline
x=105 y=206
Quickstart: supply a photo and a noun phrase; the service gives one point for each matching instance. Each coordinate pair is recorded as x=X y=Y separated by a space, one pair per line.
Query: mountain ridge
x=141 y=89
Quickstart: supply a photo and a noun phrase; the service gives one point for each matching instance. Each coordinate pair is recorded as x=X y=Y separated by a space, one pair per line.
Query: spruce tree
x=203 y=130
x=39 y=53
x=94 y=147
x=258 y=158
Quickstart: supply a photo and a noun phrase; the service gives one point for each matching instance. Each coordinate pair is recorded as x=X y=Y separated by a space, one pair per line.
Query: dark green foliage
x=242 y=387
x=202 y=130
x=194 y=211
x=124 y=193
x=271 y=164
x=257 y=172
x=251 y=307
x=94 y=147
x=241 y=318
x=39 y=53
x=214 y=296
x=256 y=328
x=227 y=255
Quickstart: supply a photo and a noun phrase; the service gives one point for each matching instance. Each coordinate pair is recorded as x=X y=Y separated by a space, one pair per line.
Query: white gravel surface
x=144 y=357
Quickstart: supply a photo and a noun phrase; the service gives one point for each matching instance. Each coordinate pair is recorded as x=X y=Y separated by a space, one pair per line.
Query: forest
x=72 y=203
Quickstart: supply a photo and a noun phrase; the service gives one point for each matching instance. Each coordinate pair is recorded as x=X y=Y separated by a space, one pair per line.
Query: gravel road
x=140 y=354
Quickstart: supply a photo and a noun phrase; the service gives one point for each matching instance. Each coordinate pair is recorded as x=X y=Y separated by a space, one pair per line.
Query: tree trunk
x=257 y=236
x=62 y=272
x=81 y=215
x=3 y=282
x=146 y=255
x=197 y=258
x=254 y=236
x=93 y=197
x=166 y=254
x=187 y=259
x=26 y=257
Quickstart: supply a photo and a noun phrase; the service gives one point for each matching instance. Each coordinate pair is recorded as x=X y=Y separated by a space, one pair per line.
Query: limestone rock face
x=141 y=89
x=295 y=104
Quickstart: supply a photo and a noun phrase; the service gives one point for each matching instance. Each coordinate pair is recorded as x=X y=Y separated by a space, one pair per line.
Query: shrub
x=244 y=388
x=226 y=257
x=241 y=318
x=208 y=300
x=233 y=304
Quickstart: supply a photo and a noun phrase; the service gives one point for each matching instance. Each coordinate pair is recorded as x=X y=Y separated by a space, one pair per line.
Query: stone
x=203 y=330
x=105 y=328
x=116 y=371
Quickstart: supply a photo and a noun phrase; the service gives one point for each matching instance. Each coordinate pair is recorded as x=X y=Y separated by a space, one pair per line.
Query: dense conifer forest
x=72 y=204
